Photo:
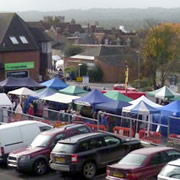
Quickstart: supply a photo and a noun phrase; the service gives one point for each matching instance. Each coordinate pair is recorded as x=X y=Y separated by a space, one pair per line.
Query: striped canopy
x=144 y=108
x=163 y=93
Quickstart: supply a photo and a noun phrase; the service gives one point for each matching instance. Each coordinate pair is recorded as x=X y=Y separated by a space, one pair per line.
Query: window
x=111 y=140
x=41 y=141
x=84 y=146
x=155 y=160
x=44 y=128
x=172 y=154
x=57 y=138
x=96 y=143
x=23 y=39
x=14 y=40
x=83 y=130
x=133 y=160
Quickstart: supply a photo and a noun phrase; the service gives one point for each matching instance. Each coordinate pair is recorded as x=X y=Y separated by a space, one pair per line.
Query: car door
x=155 y=164
x=114 y=149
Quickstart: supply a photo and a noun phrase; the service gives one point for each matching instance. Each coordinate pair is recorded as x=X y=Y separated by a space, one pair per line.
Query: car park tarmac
x=11 y=174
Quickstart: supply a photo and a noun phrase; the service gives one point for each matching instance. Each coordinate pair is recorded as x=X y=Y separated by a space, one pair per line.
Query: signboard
x=85 y=80
x=17 y=66
x=18 y=74
x=79 y=79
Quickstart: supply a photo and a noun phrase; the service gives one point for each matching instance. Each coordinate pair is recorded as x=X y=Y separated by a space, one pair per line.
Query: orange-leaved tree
x=161 y=52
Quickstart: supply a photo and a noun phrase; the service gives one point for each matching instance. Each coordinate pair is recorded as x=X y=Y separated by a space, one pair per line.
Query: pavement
x=100 y=86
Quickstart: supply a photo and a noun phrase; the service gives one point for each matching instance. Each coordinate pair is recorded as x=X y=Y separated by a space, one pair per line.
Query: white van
x=19 y=134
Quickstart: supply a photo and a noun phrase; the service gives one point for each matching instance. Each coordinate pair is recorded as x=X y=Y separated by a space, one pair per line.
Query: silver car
x=170 y=171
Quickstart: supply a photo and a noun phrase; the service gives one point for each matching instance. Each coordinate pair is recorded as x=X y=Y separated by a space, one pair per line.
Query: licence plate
x=117 y=174
x=60 y=159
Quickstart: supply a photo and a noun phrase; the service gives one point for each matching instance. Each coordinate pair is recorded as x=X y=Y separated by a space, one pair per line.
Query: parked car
x=36 y=157
x=18 y=134
x=88 y=152
x=142 y=164
x=171 y=171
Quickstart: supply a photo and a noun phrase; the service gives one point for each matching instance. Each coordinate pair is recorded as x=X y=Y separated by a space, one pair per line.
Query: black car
x=88 y=152
x=36 y=156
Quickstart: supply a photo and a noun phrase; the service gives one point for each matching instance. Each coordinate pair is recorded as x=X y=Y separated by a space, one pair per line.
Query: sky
x=56 y=5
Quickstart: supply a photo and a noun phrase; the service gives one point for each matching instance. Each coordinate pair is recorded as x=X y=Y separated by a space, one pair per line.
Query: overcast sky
x=53 y=5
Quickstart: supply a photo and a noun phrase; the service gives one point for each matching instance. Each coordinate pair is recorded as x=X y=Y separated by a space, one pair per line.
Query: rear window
x=65 y=148
x=133 y=160
x=171 y=171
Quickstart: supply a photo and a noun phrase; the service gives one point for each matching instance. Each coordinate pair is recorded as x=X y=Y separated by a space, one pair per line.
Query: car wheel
x=89 y=170
x=40 y=167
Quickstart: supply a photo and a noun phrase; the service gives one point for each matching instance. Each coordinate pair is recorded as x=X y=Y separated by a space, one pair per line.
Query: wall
x=26 y=56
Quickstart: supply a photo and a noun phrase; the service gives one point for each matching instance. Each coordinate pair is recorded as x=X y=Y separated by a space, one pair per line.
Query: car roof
x=77 y=138
x=151 y=150
x=61 y=129
x=20 y=123
x=175 y=162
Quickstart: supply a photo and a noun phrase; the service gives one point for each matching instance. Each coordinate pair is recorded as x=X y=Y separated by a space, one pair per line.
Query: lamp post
x=138 y=58
x=79 y=70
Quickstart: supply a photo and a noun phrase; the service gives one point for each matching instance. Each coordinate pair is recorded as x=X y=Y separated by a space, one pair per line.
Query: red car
x=142 y=164
x=36 y=157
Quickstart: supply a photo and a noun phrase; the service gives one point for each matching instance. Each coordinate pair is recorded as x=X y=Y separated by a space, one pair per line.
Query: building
x=20 y=50
x=111 y=59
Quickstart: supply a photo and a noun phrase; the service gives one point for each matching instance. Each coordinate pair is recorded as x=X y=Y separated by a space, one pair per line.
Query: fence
x=134 y=127
x=7 y=115
x=121 y=125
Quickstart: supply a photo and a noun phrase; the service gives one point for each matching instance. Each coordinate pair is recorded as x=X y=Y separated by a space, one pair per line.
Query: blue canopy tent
x=113 y=106
x=92 y=98
x=45 y=92
x=55 y=83
x=168 y=112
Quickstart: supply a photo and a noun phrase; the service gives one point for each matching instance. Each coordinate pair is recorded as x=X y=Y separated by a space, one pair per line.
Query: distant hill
x=132 y=18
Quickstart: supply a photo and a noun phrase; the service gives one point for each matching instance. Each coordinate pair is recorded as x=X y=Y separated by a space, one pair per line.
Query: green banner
x=17 y=66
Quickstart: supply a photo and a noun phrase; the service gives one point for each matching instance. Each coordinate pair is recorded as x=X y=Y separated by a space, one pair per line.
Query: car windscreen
x=41 y=141
x=133 y=160
x=64 y=148
x=171 y=171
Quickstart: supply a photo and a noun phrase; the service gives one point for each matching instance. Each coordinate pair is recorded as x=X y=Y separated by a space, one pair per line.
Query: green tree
x=161 y=50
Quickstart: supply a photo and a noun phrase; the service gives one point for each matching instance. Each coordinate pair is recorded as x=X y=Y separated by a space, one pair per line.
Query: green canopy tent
x=117 y=96
x=163 y=93
x=73 y=90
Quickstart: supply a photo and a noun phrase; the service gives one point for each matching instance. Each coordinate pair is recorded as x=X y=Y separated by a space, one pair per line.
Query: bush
x=72 y=50
x=95 y=74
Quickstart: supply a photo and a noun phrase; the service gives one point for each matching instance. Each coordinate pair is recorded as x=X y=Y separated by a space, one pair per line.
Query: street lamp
x=138 y=56
x=79 y=69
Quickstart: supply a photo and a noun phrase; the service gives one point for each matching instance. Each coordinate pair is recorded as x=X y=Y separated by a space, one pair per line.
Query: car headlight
x=23 y=158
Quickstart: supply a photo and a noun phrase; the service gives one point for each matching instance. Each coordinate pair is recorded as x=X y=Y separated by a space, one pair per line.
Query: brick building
x=111 y=59
x=19 y=48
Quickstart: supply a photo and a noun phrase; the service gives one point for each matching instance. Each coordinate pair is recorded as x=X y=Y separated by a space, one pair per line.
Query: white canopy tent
x=141 y=104
x=5 y=101
x=23 y=92
x=146 y=100
x=61 y=98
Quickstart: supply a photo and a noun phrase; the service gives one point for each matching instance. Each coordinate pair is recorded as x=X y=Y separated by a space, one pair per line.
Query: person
x=31 y=110
x=18 y=112
x=35 y=108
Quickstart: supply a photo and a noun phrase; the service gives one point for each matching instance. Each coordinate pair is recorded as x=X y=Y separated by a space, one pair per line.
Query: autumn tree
x=161 y=50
